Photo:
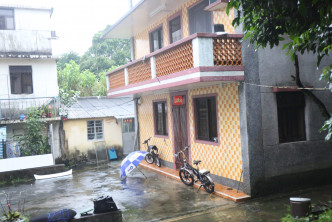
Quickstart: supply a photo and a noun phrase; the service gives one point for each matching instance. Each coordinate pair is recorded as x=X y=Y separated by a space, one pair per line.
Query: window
x=160 y=117
x=21 y=79
x=175 y=29
x=206 y=119
x=156 y=39
x=95 y=130
x=128 y=125
x=291 y=116
x=6 y=19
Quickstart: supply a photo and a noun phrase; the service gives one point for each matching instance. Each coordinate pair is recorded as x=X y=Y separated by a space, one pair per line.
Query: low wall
x=27 y=162
x=115 y=216
x=27 y=174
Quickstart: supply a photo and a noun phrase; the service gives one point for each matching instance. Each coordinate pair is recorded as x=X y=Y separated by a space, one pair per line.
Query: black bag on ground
x=104 y=204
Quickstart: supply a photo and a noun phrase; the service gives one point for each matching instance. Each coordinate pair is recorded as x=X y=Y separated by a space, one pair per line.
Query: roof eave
x=121 y=19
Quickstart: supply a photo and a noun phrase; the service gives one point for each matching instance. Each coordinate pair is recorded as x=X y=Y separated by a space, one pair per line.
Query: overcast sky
x=76 y=21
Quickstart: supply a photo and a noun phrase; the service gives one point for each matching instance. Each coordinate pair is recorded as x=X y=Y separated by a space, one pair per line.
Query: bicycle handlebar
x=146 y=141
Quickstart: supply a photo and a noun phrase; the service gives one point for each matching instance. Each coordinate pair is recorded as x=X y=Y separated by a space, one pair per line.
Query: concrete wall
x=44 y=78
x=270 y=163
x=32 y=33
x=77 y=139
x=26 y=162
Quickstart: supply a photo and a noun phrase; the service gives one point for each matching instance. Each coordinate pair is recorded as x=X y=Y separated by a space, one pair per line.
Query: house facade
x=28 y=73
x=96 y=124
x=196 y=83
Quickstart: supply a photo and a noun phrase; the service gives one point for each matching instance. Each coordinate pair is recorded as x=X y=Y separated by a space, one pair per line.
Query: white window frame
x=94 y=127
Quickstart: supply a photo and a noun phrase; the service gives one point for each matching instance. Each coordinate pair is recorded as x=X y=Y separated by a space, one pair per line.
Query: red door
x=180 y=130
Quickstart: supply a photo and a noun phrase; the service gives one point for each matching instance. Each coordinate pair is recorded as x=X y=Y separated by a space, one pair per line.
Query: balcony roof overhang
x=142 y=15
x=188 y=79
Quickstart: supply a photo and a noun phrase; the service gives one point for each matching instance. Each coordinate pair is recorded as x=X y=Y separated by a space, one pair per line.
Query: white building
x=28 y=73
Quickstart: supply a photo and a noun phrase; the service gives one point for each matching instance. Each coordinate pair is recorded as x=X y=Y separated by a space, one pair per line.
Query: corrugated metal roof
x=96 y=107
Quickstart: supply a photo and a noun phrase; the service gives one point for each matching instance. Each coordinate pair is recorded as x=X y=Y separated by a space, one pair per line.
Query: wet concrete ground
x=152 y=199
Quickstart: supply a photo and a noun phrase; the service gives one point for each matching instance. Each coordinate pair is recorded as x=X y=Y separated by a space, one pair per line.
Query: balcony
x=198 y=58
x=25 y=43
x=16 y=110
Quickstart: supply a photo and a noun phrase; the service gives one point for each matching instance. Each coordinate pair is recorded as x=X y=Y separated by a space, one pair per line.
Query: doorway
x=180 y=127
x=200 y=20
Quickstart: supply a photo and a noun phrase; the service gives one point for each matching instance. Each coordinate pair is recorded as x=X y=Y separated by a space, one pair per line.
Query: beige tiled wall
x=141 y=40
x=223 y=159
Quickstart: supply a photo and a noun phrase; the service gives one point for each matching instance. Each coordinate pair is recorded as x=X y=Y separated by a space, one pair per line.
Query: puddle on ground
x=140 y=199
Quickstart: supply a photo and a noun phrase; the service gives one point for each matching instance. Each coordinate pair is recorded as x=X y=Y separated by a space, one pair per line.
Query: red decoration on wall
x=178 y=100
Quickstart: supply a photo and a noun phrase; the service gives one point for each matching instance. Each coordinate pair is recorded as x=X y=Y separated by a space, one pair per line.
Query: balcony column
x=203 y=52
x=153 y=67
x=126 y=76
x=108 y=82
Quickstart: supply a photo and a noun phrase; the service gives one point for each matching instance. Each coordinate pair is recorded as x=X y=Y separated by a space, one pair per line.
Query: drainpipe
x=136 y=146
x=132 y=50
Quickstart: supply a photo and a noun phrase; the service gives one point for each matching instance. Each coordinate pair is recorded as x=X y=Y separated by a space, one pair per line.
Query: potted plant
x=10 y=215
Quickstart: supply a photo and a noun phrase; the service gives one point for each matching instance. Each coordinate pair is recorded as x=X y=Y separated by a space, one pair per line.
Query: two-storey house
x=196 y=83
x=28 y=73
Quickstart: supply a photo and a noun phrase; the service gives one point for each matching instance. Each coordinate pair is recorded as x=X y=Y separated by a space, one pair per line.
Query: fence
x=17 y=109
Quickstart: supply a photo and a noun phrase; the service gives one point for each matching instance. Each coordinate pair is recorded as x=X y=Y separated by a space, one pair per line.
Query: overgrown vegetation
x=85 y=76
x=73 y=159
x=9 y=214
x=324 y=217
x=307 y=25
x=34 y=141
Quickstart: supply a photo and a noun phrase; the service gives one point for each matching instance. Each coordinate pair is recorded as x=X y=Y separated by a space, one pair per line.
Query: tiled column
x=126 y=76
x=153 y=67
x=108 y=82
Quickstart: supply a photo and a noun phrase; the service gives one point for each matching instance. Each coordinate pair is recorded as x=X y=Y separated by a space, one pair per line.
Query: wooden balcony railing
x=139 y=72
x=227 y=51
x=188 y=53
x=118 y=79
x=175 y=60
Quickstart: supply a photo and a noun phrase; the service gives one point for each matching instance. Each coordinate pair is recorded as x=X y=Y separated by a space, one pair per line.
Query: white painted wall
x=44 y=77
x=32 y=19
x=20 y=163
x=32 y=32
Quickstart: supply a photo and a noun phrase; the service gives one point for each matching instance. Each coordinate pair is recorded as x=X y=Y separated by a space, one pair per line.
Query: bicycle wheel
x=158 y=162
x=149 y=158
x=186 y=177
x=207 y=184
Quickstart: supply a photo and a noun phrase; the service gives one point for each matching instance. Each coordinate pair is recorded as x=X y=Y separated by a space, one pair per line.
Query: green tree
x=306 y=23
x=105 y=54
x=34 y=141
x=83 y=83
x=66 y=58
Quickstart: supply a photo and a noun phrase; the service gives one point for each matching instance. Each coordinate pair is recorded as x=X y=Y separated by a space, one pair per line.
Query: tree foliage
x=85 y=76
x=34 y=142
x=84 y=83
x=307 y=23
x=66 y=58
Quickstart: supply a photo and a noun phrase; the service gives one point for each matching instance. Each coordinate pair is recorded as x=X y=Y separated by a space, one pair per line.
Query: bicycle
x=188 y=173
x=152 y=156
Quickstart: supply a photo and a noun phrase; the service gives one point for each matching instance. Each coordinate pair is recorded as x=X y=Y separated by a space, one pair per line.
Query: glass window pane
x=6 y=12
x=206 y=119
x=10 y=23
x=160 y=116
x=91 y=136
x=26 y=83
x=156 y=40
x=175 y=29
